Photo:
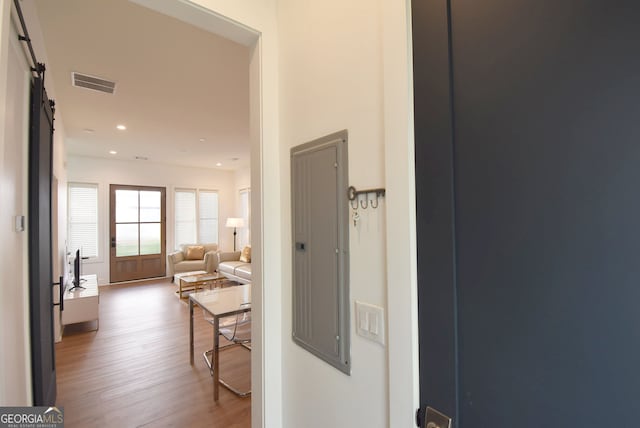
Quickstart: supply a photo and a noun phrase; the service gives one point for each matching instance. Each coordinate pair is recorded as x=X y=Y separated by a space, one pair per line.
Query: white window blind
x=83 y=219
x=185 y=232
x=244 y=234
x=196 y=216
x=208 y=213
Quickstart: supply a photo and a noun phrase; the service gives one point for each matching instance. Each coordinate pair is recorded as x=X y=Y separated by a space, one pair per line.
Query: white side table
x=82 y=304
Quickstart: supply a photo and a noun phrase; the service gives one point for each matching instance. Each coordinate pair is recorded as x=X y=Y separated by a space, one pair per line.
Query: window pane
x=208 y=231
x=244 y=234
x=126 y=240
x=84 y=237
x=82 y=231
x=185 y=217
x=150 y=238
x=150 y=206
x=208 y=224
x=126 y=206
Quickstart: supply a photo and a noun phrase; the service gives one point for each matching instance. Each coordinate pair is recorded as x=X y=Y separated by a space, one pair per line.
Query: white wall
x=15 y=78
x=15 y=371
x=402 y=296
x=331 y=79
x=59 y=245
x=336 y=65
x=259 y=17
x=243 y=182
x=104 y=172
x=376 y=52
x=243 y=178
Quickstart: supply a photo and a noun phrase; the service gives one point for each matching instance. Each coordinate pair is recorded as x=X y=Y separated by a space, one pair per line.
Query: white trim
x=258 y=26
x=402 y=299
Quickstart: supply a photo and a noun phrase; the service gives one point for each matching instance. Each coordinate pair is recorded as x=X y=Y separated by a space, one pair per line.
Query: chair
x=193 y=257
x=237 y=330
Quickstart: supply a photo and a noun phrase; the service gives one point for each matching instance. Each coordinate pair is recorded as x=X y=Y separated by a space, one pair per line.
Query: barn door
x=40 y=256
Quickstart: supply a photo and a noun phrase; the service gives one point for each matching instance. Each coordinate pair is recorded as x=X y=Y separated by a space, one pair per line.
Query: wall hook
x=353 y=196
x=364 y=205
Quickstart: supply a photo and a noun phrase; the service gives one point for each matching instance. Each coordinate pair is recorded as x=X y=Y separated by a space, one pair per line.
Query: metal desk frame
x=218 y=310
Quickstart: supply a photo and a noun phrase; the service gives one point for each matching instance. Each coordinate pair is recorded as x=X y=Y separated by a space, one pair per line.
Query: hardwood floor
x=135 y=372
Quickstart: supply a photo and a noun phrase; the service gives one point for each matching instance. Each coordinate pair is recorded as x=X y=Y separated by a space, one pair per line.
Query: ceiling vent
x=91 y=82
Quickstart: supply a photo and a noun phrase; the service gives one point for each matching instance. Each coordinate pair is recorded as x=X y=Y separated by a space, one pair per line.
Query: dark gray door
x=43 y=364
x=528 y=168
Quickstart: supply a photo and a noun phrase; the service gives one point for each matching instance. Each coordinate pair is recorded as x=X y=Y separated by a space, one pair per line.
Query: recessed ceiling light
x=218 y=164
x=89 y=130
x=113 y=152
x=202 y=140
x=121 y=127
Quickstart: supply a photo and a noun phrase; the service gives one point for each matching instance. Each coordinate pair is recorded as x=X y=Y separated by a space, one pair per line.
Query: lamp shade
x=235 y=222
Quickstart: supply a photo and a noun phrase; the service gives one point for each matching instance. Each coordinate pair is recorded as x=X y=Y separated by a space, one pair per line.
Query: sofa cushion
x=189 y=265
x=195 y=252
x=245 y=256
x=229 y=267
x=207 y=247
x=244 y=271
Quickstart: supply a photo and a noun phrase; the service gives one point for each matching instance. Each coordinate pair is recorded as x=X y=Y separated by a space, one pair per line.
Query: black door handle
x=300 y=246
x=61 y=284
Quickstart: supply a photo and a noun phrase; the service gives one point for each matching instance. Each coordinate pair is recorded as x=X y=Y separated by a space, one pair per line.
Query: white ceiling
x=182 y=92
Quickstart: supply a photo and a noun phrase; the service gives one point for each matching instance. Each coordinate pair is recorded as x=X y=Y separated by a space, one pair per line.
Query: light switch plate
x=370 y=322
x=19 y=224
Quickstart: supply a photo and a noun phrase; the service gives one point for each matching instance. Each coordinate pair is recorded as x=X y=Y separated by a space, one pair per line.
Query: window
x=185 y=217
x=208 y=216
x=244 y=234
x=196 y=216
x=83 y=219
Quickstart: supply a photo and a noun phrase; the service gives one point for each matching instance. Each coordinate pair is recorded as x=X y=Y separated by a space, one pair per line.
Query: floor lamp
x=235 y=222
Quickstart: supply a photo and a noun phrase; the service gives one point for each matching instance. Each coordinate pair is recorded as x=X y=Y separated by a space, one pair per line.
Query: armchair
x=191 y=258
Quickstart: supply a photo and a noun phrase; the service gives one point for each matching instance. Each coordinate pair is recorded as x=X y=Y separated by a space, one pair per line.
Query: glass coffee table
x=192 y=283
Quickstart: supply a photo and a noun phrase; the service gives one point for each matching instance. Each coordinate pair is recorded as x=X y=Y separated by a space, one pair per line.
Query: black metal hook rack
x=355 y=200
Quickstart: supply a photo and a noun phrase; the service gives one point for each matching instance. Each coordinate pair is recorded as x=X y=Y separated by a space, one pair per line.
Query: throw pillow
x=245 y=256
x=195 y=252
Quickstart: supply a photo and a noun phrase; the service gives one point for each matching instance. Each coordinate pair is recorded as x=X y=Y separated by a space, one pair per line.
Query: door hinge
x=419 y=418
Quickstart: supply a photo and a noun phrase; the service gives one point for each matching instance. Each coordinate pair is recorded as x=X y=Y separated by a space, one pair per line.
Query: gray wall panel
x=320 y=248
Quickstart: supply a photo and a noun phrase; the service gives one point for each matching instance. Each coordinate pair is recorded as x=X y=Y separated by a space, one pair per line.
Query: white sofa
x=177 y=262
x=229 y=265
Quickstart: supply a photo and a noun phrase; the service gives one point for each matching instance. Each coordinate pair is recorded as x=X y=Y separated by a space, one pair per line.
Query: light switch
x=19 y=223
x=364 y=322
x=370 y=322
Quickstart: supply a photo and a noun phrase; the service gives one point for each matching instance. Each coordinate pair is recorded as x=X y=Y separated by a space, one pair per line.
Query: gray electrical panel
x=320 y=247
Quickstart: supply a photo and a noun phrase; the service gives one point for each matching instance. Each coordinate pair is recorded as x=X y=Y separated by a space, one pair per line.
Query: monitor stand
x=78 y=285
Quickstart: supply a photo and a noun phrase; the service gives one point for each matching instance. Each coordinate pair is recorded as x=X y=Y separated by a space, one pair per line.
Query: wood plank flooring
x=135 y=372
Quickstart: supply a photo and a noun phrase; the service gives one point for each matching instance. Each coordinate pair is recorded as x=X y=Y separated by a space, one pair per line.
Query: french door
x=138 y=232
